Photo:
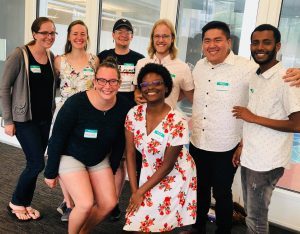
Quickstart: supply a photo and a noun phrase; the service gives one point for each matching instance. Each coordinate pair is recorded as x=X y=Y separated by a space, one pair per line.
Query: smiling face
x=216 y=46
x=78 y=36
x=122 y=36
x=264 y=48
x=153 y=88
x=162 y=39
x=106 y=91
x=44 y=39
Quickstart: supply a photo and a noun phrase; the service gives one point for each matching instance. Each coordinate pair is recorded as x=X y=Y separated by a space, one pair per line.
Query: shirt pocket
x=20 y=108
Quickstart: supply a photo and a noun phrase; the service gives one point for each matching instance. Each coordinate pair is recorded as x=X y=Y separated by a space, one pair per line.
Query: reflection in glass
x=62 y=12
x=289 y=26
x=193 y=15
x=141 y=14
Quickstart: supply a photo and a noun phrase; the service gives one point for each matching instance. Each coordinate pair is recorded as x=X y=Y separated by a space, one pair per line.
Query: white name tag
x=127 y=75
x=222 y=86
x=88 y=71
x=35 y=69
x=90 y=133
x=159 y=136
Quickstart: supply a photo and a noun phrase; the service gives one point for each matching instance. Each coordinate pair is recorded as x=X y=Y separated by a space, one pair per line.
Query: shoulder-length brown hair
x=36 y=25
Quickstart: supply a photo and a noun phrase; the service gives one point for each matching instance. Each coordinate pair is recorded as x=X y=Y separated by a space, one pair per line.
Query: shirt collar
x=271 y=71
x=228 y=60
x=164 y=59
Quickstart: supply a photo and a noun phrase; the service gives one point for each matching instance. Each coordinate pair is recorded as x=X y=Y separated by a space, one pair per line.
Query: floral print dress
x=172 y=202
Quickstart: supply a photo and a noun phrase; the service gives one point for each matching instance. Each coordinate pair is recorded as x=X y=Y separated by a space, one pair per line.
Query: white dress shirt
x=218 y=88
x=265 y=149
x=180 y=72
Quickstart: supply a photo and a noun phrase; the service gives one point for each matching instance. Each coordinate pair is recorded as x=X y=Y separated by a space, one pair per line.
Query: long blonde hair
x=173 y=48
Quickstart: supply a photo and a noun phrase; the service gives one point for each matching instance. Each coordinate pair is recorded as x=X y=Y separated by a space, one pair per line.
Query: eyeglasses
x=103 y=82
x=154 y=83
x=45 y=33
x=163 y=36
x=124 y=32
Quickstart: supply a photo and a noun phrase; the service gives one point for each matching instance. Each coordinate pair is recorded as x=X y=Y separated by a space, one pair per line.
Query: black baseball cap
x=122 y=23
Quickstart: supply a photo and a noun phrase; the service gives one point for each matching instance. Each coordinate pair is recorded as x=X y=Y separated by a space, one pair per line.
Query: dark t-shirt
x=127 y=65
x=87 y=134
x=41 y=88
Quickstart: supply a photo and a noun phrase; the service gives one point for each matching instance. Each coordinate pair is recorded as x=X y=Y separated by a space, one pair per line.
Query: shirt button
x=204 y=118
x=203 y=130
x=207 y=93
x=205 y=105
x=208 y=80
x=212 y=68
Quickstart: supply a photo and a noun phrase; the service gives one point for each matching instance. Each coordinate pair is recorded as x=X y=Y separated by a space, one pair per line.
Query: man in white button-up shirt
x=272 y=115
x=221 y=82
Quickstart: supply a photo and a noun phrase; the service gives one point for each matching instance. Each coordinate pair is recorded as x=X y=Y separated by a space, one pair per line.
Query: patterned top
x=217 y=89
x=172 y=202
x=73 y=82
x=265 y=149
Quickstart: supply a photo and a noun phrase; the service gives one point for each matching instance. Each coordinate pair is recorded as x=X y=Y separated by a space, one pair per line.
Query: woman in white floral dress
x=166 y=195
x=76 y=69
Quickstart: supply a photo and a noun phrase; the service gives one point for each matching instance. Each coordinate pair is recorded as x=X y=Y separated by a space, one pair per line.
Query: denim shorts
x=70 y=164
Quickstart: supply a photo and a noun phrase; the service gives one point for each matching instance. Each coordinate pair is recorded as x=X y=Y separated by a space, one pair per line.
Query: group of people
x=119 y=106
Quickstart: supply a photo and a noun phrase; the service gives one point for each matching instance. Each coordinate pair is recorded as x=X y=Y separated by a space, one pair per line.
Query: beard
x=271 y=55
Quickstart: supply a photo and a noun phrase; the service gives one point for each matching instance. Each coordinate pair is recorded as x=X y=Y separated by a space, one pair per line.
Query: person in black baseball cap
x=122 y=23
x=122 y=34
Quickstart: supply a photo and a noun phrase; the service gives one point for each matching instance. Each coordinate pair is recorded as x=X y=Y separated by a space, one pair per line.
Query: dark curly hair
x=159 y=70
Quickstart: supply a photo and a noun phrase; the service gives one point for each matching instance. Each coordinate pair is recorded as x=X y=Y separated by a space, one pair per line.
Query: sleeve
x=64 y=123
x=291 y=99
x=129 y=120
x=102 y=55
x=179 y=134
x=11 y=71
x=187 y=82
x=138 y=67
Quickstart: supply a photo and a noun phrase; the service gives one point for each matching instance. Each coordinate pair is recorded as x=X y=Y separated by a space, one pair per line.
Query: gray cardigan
x=14 y=88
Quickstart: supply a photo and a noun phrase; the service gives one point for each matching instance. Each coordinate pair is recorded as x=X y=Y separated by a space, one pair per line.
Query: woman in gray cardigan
x=28 y=100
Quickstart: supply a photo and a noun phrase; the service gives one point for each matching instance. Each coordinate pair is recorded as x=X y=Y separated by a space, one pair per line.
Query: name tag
x=127 y=75
x=35 y=69
x=90 y=133
x=222 y=86
x=88 y=71
x=159 y=136
x=128 y=67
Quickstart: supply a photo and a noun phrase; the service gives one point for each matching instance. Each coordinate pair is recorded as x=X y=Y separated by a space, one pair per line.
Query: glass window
x=194 y=14
x=62 y=12
x=141 y=14
x=290 y=55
